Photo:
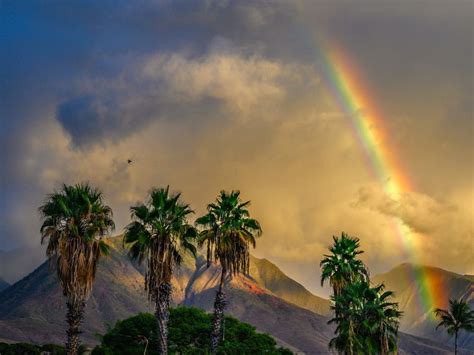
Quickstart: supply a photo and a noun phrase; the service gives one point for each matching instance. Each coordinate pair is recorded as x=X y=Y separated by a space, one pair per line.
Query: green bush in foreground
x=189 y=333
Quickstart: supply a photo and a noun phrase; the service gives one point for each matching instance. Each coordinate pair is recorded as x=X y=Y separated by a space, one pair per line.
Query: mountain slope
x=3 y=284
x=33 y=309
x=251 y=303
x=273 y=279
x=293 y=326
x=416 y=320
x=410 y=344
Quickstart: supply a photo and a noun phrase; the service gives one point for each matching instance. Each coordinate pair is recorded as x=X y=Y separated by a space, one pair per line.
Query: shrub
x=189 y=333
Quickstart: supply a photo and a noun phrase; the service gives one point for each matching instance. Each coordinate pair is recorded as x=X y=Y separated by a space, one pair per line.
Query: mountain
x=250 y=302
x=418 y=320
x=33 y=309
x=118 y=293
x=293 y=327
x=3 y=284
x=413 y=345
x=272 y=278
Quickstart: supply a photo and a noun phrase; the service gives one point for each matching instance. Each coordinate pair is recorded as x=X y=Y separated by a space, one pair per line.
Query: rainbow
x=342 y=78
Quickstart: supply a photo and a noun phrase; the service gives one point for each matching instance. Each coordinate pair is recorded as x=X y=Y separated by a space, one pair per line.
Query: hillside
x=3 y=284
x=118 y=293
x=416 y=320
x=33 y=309
x=269 y=276
x=302 y=329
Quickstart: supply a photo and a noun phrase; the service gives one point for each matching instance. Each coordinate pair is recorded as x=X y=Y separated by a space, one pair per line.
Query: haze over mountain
x=268 y=299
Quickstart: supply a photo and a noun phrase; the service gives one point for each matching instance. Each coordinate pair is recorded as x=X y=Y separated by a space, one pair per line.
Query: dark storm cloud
x=53 y=46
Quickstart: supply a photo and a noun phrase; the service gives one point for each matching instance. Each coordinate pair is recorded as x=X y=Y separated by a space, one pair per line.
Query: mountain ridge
x=3 y=284
x=118 y=293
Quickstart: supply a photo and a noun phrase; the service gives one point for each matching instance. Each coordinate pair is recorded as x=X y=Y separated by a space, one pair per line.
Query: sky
x=213 y=95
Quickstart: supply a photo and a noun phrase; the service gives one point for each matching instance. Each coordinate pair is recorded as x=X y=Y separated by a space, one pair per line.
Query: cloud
x=420 y=212
x=442 y=229
x=221 y=95
x=179 y=86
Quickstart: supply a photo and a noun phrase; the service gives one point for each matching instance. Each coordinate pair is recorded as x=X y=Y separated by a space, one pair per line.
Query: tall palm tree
x=380 y=320
x=74 y=221
x=458 y=317
x=228 y=232
x=160 y=233
x=342 y=267
x=367 y=322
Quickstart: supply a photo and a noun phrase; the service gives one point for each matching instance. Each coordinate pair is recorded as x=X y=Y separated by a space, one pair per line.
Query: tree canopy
x=189 y=333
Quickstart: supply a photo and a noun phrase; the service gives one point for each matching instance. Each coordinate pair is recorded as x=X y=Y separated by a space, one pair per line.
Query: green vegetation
x=342 y=267
x=74 y=220
x=189 y=332
x=159 y=234
x=366 y=321
x=30 y=349
x=458 y=317
x=228 y=231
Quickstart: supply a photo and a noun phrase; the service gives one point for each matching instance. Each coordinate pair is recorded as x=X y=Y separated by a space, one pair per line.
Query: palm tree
x=74 y=221
x=458 y=317
x=228 y=232
x=342 y=267
x=160 y=234
x=380 y=320
x=367 y=322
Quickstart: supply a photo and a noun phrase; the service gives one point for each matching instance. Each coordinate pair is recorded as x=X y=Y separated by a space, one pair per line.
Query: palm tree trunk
x=384 y=347
x=351 y=337
x=218 y=319
x=162 y=316
x=456 y=342
x=74 y=316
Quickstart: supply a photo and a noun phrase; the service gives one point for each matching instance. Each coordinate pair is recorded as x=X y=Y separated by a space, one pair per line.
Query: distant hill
x=3 y=284
x=416 y=320
x=33 y=309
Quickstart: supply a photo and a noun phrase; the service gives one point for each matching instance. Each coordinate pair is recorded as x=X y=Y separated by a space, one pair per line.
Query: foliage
x=74 y=220
x=159 y=233
x=31 y=349
x=189 y=332
x=342 y=267
x=366 y=321
x=228 y=231
x=458 y=317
